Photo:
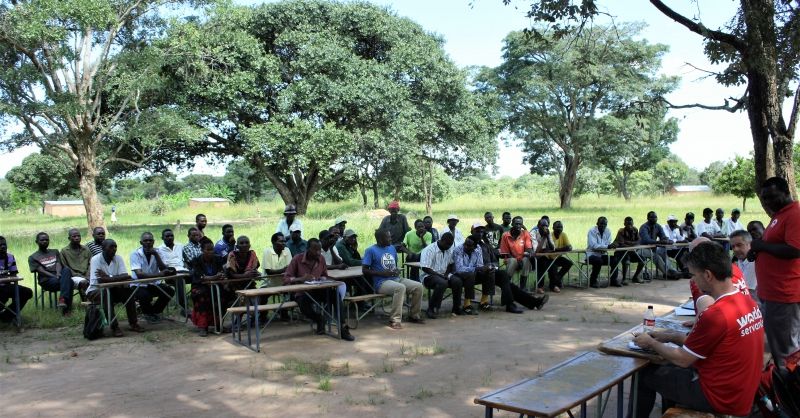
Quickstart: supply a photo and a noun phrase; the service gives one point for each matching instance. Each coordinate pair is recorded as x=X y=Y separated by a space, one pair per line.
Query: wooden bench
x=565 y=386
x=241 y=310
x=686 y=413
x=354 y=301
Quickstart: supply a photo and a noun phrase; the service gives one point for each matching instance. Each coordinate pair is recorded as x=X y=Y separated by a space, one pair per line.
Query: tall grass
x=258 y=220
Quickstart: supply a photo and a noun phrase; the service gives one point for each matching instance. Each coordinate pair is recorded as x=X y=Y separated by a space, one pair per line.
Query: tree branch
x=699 y=28
x=733 y=109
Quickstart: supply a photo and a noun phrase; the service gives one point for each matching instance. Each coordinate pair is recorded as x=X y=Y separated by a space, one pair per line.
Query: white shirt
x=748 y=269
x=139 y=262
x=729 y=226
x=172 y=257
x=328 y=255
x=597 y=241
x=707 y=228
x=283 y=228
x=674 y=235
x=115 y=268
x=458 y=238
x=273 y=261
x=435 y=259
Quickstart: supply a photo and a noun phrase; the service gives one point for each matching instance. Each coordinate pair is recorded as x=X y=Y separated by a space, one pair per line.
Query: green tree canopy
x=73 y=74
x=554 y=90
x=297 y=88
x=738 y=178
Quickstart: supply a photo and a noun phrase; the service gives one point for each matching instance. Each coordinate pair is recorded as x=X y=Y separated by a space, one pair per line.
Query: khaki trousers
x=398 y=289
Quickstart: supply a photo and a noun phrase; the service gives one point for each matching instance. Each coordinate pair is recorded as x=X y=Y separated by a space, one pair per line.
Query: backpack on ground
x=93 y=323
x=779 y=392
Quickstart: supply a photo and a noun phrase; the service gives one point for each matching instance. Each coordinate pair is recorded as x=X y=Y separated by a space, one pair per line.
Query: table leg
x=583 y=410
x=488 y=412
x=17 y=306
x=254 y=301
x=599 y=406
x=215 y=302
x=620 y=403
x=634 y=394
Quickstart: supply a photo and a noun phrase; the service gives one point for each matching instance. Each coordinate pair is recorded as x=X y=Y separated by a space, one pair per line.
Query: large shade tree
x=72 y=75
x=554 y=90
x=303 y=89
x=760 y=47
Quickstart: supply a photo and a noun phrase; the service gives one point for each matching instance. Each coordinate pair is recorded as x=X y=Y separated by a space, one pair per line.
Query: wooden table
x=251 y=298
x=105 y=291
x=619 y=345
x=565 y=386
x=216 y=296
x=17 y=311
x=348 y=273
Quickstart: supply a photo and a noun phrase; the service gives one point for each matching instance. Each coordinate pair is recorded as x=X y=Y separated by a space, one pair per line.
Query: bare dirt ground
x=430 y=370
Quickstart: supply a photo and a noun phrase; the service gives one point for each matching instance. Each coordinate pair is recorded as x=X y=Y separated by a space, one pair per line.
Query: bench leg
x=620 y=403
x=488 y=412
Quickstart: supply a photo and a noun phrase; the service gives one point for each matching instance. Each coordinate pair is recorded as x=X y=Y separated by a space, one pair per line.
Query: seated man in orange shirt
x=516 y=246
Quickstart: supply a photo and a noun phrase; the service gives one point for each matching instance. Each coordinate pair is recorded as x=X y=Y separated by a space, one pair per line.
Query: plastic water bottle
x=649 y=321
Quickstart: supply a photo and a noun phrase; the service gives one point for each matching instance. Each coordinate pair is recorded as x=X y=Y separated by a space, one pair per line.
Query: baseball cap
x=478 y=225
x=350 y=233
x=671 y=218
x=340 y=220
x=452 y=216
x=295 y=228
x=290 y=210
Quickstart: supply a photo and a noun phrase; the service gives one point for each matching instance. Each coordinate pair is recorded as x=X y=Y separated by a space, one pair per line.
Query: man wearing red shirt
x=778 y=269
x=516 y=247
x=718 y=367
x=310 y=265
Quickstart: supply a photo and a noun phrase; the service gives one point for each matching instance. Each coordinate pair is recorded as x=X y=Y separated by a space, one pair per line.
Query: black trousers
x=7 y=299
x=676 y=385
x=62 y=284
x=560 y=267
x=159 y=292
x=118 y=295
x=468 y=281
x=597 y=262
x=439 y=285
x=306 y=304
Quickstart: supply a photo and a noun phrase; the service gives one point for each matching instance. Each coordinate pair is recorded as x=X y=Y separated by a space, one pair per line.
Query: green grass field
x=258 y=222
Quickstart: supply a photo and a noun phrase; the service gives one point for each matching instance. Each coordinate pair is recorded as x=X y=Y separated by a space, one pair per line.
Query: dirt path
x=427 y=370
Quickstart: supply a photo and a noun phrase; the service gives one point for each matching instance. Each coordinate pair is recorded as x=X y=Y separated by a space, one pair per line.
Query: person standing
x=494 y=232
x=227 y=244
x=506 y=221
x=396 y=223
x=200 y=222
x=778 y=269
x=428 y=222
x=289 y=220
x=452 y=222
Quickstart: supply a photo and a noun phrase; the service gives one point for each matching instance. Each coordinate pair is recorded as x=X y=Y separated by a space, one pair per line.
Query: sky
x=473 y=31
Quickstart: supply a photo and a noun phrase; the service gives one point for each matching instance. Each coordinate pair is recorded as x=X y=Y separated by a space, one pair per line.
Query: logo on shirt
x=750 y=322
x=387 y=261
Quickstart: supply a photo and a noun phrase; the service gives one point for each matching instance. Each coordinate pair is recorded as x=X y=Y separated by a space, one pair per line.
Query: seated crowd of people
x=724 y=347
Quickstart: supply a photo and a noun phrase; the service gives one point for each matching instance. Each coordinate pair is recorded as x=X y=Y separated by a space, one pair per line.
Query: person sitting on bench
x=108 y=267
x=8 y=268
x=76 y=258
x=52 y=276
x=208 y=266
x=310 y=265
x=436 y=262
x=380 y=263
x=146 y=263
x=718 y=366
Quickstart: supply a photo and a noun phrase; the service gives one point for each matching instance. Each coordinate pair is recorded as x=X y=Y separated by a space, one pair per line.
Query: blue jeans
x=62 y=284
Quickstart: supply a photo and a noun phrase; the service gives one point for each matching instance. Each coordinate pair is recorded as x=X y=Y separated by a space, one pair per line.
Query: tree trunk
x=87 y=180
x=375 y=200
x=363 y=190
x=429 y=189
x=744 y=204
x=567 y=186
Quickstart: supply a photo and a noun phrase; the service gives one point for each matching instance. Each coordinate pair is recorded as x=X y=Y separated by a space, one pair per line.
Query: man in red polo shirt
x=718 y=367
x=778 y=269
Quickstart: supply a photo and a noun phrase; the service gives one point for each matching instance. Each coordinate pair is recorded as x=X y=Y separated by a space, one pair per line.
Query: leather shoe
x=512 y=308
x=540 y=303
x=346 y=335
